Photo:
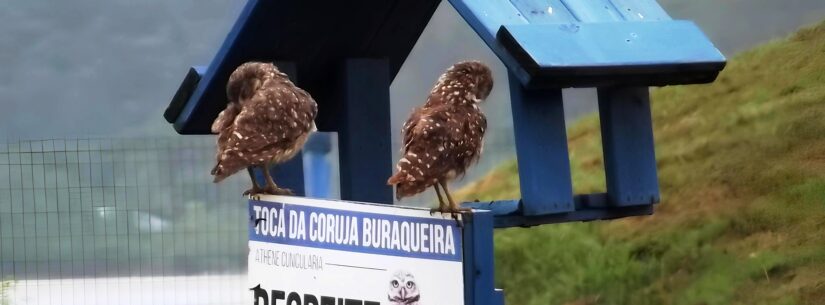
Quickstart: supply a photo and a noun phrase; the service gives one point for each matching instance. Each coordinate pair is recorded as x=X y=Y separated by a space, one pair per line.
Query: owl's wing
x=271 y=120
x=408 y=131
x=225 y=118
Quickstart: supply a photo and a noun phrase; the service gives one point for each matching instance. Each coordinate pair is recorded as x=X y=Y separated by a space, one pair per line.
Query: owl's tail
x=404 y=188
x=221 y=171
x=405 y=182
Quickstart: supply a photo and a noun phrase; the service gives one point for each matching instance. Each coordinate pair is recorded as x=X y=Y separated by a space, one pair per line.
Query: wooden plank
x=612 y=44
x=184 y=93
x=612 y=53
x=543 y=11
x=627 y=141
x=541 y=148
x=479 y=261
x=641 y=10
x=487 y=16
x=589 y=207
x=593 y=10
x=363 y=113
x=199 y=113
x=576 y=216
x=315 y=37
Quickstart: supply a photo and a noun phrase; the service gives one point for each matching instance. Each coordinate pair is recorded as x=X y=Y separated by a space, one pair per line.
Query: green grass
x=5 y=286
x=742 y=220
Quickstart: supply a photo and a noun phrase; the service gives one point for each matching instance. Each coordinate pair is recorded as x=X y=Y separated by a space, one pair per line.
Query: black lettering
x=371 y=303
x=310 y=300
x=277 y=295
x=327 y=300
x=260 y=294
x=353 y=302
x=293 y=298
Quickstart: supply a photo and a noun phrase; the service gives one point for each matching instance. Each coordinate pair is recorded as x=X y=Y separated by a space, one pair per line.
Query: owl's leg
x=272 y=188
x=255 y=190
x=441 y=204
x=454 y=209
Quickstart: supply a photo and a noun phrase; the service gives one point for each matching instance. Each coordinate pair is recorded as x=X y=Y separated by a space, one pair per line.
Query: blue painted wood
x=485 y=17
x=627 y=140
x=316 y=37
x=479 y=262
x=593 y=10
x=515 y=207
x=317 y=169
x=527 y=40
x=498 y=297
x=641 y=10
x=613 y=53
x=363 y=113
x=577 y=216
x=541 y=148
x=217 y=74
x=290 y=175
x=193 y=77
x=589 y=207
x=543 y=11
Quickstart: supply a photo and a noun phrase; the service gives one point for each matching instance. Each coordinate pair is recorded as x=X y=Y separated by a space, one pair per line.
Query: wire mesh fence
x=89 y=221
x=134 y=221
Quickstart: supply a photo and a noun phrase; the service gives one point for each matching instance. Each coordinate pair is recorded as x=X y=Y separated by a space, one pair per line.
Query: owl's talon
x=458 y=221
x=252 y=193
x=285 y=192
x=278 y=191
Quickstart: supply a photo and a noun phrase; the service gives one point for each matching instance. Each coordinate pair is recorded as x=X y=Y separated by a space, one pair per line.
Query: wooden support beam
x=541 y=148
x=627 y=140
x=364 y=137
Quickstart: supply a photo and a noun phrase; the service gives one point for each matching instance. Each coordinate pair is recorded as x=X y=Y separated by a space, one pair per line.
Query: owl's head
x=403 y=288
x=248 y=78
x=476 y=75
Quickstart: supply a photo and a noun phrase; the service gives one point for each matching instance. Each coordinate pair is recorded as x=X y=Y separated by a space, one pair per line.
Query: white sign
x=318 y=252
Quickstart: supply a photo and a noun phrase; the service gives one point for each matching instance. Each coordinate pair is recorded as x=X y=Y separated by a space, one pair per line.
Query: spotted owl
x=403 y=289
x=266 y=122
x=444 y=137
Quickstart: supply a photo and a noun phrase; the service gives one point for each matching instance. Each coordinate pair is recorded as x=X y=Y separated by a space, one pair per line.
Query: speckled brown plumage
x=266 y=122
x=443 y=138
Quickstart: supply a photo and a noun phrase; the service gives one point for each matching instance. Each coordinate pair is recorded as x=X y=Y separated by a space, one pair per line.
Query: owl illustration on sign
x=266 y=122
x=443 y=138
x=403 y=289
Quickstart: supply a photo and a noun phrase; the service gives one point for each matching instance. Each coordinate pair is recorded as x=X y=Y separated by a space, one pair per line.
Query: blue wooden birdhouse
x=620 y=47
x=346 y=54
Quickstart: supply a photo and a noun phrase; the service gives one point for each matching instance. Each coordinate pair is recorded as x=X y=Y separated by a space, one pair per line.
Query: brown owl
x=266 y=122
x=444 y=137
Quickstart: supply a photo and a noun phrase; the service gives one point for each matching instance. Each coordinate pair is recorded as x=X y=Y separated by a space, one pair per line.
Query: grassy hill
x=742 y=219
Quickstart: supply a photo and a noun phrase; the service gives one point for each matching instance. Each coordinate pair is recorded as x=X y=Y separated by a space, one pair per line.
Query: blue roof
x=544 y=43
x=315 y=36
x=558 y=43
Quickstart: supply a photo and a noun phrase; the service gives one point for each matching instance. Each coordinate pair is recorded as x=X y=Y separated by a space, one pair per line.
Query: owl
x=266 y=122
x=444 y=137
x=403 y=289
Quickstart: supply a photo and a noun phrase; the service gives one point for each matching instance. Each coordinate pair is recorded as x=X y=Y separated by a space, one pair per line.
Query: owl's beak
x=403 y=293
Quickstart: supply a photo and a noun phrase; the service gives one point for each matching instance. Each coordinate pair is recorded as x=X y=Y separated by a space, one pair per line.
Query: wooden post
x=364 y=136
x=627 y=140
x=541 y=148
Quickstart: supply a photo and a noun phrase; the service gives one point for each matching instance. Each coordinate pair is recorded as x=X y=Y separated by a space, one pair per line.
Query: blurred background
x=101 y=200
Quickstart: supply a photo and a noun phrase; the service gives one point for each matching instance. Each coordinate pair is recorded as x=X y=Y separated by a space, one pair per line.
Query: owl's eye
x=410 y=284
x=394 y=283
